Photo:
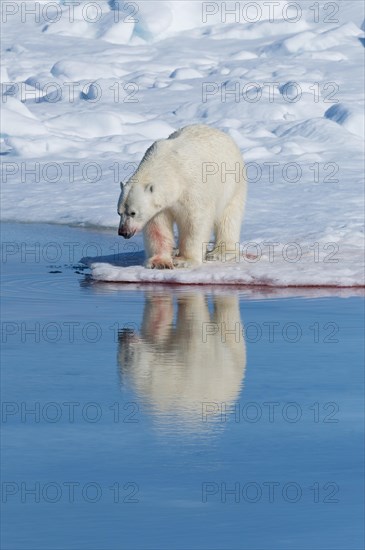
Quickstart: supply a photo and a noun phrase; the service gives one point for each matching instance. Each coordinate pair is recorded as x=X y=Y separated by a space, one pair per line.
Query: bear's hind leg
x=227 y=233
x=193 y=238
x=159 y=241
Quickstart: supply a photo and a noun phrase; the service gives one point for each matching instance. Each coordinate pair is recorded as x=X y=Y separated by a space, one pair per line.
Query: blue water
x=154 y=427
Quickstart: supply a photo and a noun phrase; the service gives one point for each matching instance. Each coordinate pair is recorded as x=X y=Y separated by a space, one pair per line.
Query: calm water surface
x=174 y=418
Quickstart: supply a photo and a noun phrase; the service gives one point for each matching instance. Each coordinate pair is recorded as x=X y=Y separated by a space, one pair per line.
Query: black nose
x=125 y=234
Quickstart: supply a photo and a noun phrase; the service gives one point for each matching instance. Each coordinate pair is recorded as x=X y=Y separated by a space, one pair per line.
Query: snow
x=351 y=118
x=85 y=95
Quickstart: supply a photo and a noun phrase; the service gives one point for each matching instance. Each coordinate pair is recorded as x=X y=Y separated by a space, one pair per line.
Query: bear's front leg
x=159 y=241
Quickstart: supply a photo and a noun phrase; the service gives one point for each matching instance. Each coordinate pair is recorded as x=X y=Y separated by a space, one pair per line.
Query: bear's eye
x=149 y=188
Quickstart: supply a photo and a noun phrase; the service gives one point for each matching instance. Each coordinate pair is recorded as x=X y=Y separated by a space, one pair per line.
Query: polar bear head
x=154 y=187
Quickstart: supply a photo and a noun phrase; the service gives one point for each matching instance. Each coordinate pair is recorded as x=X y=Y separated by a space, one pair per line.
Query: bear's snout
x=125 y=231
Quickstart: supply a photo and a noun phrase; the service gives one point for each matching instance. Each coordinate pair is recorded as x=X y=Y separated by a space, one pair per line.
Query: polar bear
x=193 y=179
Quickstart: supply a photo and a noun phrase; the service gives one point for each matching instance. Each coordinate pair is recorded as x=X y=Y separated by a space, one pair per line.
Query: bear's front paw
x=180 y=261
x=159 y=262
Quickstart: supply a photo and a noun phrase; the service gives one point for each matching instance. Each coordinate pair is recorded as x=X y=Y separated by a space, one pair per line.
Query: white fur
x=171 y=186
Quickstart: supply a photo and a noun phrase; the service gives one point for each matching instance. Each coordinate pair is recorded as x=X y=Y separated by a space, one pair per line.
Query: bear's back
x=198 y=132
x=196 y=140
x=202 y=147
x=203 y=143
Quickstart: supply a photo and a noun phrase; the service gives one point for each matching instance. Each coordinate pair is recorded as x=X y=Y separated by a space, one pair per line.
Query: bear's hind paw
x=181 y=262
x=159 y=262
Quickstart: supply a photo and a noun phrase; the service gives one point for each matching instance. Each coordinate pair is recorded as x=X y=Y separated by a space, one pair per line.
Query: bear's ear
x=149 y=188
x=121 y=185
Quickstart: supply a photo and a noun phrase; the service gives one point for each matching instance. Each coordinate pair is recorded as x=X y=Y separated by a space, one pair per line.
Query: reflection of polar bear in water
x=178 y=366
x=193 y=179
